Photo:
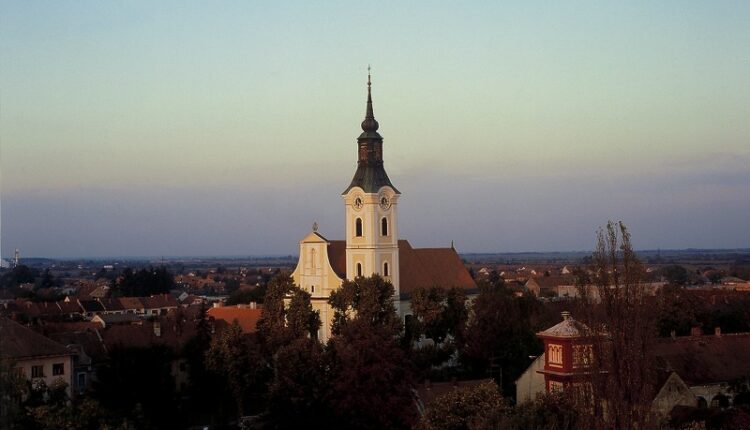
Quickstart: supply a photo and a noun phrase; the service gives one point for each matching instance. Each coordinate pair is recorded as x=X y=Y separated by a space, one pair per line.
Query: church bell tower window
x=384 y=227
x=385 y=269
x=359 y=269
x=358 y=227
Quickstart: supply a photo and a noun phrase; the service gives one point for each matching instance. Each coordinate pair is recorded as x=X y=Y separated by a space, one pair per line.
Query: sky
x=227 y=128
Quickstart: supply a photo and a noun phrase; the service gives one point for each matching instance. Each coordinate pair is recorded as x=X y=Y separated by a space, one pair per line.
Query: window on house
x=312 y=288
x=384 y=227
x=358 y=227
x=58 y=369
x=385 y=269
x=359 y=269
x=37 y=371
x=554 y=355
x=81 y=383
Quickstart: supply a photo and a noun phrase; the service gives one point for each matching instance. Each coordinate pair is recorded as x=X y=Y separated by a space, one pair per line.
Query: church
x=372 y=244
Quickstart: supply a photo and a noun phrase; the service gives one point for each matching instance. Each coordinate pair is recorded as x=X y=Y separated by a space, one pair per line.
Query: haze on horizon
x=176 y=128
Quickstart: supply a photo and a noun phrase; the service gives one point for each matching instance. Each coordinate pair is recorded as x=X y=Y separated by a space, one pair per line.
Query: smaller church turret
x=567 y=353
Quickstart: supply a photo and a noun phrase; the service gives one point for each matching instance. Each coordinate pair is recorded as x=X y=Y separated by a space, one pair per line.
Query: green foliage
x=499 y=336
x=139 y=378
x=279 y=325
x=440 y=313
x=367 y=299
x=145 y=282
x=297 y=393
x=675 y=274
x=18 y=275
x=301 y=320
x=465 y=408
x=546 y=412
x=371 y=378
x=233 y=358
x=679 y=311
x=246 y=295
x=369 y=373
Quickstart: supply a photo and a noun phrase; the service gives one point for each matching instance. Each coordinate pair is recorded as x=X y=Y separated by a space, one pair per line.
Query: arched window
x=384 y=226
x=358 y=227
x=312 y=288
x=359 y=269
x=385 y=269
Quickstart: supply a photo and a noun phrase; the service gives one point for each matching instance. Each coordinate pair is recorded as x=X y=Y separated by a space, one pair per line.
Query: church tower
x=371 y=203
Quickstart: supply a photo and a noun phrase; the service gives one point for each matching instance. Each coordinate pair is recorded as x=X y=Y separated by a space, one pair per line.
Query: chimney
x=216 y=305
x=157 y=329
x=253 y=305
x=695 y=331
x=717 y=331
x=565 y=315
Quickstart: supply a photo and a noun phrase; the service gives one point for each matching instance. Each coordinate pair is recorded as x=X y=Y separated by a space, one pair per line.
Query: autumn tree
x=622 y=326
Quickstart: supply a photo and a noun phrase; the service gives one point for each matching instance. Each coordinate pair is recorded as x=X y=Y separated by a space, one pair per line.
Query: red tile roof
x=246 y=317
x=159 y=301
x=418 y=267
x=129 y=303
x=17 y=341
x=707 y=359
x=112 y=304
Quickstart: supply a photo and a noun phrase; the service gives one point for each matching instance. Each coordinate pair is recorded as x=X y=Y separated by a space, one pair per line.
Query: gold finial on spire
x=315 y=226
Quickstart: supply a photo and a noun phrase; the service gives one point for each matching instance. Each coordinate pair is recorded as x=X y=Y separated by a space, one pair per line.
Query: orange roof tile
x=418 y=267
x=246 y=317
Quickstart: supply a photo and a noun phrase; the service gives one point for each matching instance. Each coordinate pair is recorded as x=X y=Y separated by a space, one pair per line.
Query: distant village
x=62 y=320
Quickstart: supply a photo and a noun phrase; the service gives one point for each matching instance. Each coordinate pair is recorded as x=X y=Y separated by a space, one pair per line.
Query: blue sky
x=192 y=128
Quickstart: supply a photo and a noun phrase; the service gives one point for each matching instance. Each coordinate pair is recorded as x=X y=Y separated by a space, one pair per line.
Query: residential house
x=34 y=356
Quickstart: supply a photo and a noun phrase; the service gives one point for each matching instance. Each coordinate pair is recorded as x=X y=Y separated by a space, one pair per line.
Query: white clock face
x=358 y=203
x=385 y=202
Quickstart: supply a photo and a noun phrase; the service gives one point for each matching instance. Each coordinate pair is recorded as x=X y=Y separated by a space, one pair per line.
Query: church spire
x=370 y=175
x=369 y=124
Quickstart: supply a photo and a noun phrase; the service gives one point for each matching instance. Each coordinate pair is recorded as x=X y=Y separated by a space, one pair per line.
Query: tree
x=440 y=313
x=139 y=379
x=499 y=337
x=279 y=325
x=18 y=275
x=678 y=310
x=675 y=274
x=552 y=411
x=145 y=282
x=231 y=356
x=465 y=408
x=206 y=390
x=297 y=393
x=369 y=300
x=622 y=327
x=370 y=374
